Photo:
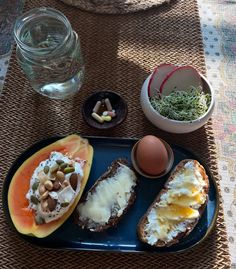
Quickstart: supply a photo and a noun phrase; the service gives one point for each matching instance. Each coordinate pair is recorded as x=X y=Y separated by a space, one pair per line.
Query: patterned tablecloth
x=218 y=22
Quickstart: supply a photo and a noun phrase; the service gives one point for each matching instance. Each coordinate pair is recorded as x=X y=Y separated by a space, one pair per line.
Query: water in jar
x=50 y=56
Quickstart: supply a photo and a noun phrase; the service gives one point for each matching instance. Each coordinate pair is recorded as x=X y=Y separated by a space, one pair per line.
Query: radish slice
x=157 y=77
x=180 y=80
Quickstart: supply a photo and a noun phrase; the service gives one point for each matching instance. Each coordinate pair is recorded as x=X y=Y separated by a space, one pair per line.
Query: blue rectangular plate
x=123 y=237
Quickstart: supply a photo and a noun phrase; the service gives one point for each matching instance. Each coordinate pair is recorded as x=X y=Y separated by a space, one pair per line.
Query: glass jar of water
x=48 y=50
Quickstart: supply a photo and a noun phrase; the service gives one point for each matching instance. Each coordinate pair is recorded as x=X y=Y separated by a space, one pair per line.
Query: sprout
x=182 y=105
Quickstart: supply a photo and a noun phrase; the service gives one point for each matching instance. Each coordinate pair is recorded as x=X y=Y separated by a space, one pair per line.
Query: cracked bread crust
x=114 y=219
x=144 y=220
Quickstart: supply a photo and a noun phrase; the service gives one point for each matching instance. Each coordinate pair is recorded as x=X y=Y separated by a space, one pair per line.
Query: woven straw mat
x=120 y=51
x=114 y=6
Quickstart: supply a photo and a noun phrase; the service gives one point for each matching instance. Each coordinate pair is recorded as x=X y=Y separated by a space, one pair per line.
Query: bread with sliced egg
x=108 y=199
x=177 y=208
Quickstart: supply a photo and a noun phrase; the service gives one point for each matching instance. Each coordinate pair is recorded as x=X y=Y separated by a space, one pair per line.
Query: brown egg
x=151 y=155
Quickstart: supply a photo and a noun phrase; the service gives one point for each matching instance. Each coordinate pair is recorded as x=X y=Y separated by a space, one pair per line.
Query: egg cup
x=141 y=172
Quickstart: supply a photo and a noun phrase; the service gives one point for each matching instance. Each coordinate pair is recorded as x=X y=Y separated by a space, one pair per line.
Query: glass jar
x=48 y=51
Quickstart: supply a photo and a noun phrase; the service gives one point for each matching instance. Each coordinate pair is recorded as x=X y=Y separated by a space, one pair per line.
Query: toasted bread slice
x=177 y=208
x=108 y=199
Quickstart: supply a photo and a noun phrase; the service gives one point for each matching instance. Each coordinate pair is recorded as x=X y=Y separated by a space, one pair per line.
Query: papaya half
x=22 y=216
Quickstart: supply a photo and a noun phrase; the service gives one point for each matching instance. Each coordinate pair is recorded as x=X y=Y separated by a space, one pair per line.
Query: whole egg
x=151 y=155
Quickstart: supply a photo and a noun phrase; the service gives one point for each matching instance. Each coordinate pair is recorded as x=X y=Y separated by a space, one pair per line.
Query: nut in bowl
x=152 y=157
x=104 y=110
x=179 y=100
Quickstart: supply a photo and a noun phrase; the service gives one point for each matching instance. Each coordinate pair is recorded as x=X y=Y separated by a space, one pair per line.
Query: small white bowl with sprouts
x=177 y=99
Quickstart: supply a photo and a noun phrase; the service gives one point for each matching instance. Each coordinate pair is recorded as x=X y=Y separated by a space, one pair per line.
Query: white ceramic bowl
x=174 y=126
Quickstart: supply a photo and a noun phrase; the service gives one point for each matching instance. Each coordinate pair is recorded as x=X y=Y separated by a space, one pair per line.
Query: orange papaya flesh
x=23 y=217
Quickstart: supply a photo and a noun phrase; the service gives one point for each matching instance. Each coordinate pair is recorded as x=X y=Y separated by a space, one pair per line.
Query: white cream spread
x=65 y=195
x=178 y=206
x=111 y=196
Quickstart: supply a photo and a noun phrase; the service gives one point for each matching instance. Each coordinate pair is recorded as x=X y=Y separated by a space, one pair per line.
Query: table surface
x=218 y=24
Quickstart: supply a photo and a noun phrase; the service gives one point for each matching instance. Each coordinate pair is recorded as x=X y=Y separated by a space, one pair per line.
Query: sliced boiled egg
x=185 y=200
x=176 y=212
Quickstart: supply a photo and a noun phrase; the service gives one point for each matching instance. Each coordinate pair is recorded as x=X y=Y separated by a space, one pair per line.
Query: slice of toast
x=161 y=225
x=108 y=199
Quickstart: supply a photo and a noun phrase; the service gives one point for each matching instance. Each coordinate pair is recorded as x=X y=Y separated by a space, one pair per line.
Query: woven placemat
x=120 y=51
x=115 y=6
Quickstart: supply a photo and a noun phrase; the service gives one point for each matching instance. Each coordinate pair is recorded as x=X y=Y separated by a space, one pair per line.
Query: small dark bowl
x=117 y=102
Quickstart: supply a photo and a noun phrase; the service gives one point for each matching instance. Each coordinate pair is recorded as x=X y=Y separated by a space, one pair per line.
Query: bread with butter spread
x=108 y=199
x=177 y=208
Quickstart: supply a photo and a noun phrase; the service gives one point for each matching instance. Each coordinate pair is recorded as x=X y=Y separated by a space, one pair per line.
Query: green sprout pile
x=186 y=105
